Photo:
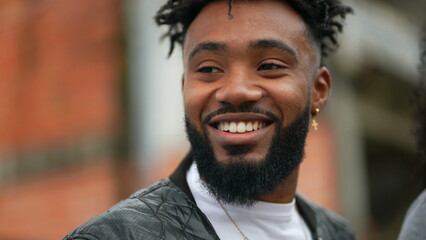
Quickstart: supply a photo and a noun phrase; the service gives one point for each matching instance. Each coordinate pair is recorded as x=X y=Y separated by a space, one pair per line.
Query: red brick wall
x=60 y=113
x=59 y=70
x=49 y=205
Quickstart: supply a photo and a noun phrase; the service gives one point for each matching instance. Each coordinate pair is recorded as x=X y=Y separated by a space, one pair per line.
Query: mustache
x=243 y=109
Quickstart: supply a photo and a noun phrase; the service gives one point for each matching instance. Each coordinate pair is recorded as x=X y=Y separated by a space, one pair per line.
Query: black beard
x=242 y=181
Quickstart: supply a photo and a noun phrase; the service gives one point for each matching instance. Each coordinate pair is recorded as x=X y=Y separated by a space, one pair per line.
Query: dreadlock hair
x=421 y=109
x=324 y=19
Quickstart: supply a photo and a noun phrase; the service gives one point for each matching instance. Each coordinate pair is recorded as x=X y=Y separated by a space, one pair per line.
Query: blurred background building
x=90 y=111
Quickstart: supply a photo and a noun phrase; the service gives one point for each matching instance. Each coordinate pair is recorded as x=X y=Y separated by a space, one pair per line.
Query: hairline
x=307 y=28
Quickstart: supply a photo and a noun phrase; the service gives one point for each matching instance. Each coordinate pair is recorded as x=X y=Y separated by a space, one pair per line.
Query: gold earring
x=314 y=121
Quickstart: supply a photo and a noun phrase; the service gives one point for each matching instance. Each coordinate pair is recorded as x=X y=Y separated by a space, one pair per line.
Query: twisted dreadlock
x=323 y=17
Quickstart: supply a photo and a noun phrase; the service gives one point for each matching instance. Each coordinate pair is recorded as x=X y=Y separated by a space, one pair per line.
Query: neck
x=285 y=192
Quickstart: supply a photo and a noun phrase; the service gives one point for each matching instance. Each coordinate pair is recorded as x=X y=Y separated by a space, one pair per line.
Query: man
x=253 y=80
x=414 y=226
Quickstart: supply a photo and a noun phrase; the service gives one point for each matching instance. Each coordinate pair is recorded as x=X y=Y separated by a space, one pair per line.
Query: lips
x=240 y=126
x=249 y=129
x=239 y=123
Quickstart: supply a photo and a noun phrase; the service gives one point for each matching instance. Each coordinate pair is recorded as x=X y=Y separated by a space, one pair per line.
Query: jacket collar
x=178 y=177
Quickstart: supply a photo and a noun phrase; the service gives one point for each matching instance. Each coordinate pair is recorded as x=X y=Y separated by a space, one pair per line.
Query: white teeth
x=226 y=126
x=249 y=126
x=256 y=125
x=233 y=127
x=240 y=127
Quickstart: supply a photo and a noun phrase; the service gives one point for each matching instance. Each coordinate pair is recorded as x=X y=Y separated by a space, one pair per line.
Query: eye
x=209 y=70
x=270 y=66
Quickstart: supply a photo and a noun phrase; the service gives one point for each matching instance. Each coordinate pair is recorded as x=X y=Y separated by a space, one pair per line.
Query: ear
x=321 y=89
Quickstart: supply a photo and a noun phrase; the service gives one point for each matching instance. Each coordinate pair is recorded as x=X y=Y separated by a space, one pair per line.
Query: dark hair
x=323 y=18
x=421 y=109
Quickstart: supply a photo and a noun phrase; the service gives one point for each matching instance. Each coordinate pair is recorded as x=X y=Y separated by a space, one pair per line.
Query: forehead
x=251 y=21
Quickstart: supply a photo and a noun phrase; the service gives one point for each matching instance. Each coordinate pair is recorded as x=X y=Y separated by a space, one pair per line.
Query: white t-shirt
x=263 y=220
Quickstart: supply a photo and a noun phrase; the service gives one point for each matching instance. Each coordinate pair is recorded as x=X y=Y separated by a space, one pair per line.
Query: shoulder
x=329 y=225
x=418 y=204
x=147 y=213
x=414 y=226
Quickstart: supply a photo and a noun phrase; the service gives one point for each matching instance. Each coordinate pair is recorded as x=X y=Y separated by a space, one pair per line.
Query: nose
x=238 y=89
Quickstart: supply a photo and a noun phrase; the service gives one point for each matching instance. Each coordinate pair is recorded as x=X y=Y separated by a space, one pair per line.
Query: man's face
x=261 y=59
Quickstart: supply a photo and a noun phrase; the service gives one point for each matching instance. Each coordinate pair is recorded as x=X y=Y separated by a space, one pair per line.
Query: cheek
x=291 y=100
x=194 y=100
x=190 y=105
x=199 y=99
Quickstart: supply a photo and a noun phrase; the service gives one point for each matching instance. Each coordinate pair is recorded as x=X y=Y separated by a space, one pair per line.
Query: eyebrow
x=208 y=46
x=272 y=43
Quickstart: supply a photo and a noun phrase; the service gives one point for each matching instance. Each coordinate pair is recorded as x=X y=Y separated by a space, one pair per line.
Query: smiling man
x=253 y=81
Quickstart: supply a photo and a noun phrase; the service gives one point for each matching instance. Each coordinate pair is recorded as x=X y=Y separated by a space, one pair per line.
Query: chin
x=241 y=174
x=248 y=158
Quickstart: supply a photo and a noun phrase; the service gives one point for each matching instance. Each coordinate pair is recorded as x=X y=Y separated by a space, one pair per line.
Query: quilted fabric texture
x=161 y=211
x=164 y=211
